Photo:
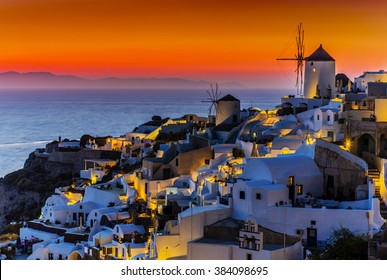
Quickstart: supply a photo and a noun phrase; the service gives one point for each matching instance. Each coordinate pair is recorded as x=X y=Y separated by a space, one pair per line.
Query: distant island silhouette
x=24 y=80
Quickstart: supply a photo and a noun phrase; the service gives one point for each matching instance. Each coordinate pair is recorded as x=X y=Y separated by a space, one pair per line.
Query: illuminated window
x=291 y=180
x=314 y=70
x=299 y=189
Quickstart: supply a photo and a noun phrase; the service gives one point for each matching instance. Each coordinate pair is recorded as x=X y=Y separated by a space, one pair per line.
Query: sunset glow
x=211 y=40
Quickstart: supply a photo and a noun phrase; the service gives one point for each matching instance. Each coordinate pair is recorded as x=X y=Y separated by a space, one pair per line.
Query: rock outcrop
x=23 y=192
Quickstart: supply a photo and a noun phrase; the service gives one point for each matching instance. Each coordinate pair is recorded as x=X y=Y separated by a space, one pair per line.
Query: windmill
x=213 y=97
x=299 y=57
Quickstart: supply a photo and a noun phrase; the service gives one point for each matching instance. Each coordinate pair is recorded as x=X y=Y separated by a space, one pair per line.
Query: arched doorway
x=366 y=143
x=75 y=255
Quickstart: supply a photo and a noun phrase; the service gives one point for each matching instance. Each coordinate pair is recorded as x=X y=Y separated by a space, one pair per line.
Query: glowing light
x=348 y=144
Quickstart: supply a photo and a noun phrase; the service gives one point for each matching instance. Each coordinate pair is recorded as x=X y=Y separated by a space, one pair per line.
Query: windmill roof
x=320 y=55
x=228 y=97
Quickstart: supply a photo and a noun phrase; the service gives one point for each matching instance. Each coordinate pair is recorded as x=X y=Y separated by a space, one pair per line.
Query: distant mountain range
x=49 y=80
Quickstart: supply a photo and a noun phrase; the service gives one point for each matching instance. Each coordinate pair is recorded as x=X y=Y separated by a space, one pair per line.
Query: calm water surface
x=31 y=118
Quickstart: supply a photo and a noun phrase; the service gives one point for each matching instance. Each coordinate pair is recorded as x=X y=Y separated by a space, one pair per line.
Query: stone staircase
x=378 y=238
x=374 y=174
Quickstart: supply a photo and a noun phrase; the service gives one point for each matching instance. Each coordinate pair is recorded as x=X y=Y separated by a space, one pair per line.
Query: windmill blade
x=212 y=92
x=210 y=109
x=209 y=95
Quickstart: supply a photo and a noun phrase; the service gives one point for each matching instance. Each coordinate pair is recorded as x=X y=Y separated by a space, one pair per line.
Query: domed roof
x=320 y=55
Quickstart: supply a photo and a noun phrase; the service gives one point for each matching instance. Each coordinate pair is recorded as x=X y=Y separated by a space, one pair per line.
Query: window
x=60 y=257
x=291 y=180
x=177 y=162
x=242 y=195
x=336 y=117
x=95 y=214
x=318 y=117
x=258 y=196
x=328 y=118
x=206 y=161
x=299 y=189
x=50 y=256
x=249 y=257
x=74 y=216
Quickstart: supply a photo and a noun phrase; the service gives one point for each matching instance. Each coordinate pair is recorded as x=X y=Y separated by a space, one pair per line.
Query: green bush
x=238 y=153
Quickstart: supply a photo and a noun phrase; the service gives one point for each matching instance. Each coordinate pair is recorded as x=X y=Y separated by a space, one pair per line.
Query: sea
x=29 y=119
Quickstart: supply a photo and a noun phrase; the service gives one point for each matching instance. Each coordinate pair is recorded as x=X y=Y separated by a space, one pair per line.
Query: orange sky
x=216 y=40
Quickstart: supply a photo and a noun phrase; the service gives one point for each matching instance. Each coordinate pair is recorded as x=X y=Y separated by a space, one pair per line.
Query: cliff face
x=45 y=165
x=23 y=192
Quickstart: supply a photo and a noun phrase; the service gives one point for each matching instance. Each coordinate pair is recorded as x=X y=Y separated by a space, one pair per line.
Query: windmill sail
x=299 y=57
x=213 y=97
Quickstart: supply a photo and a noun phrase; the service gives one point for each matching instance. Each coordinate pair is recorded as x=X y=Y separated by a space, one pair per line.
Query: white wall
x=243 y=208
x=226 y=110
x=288 y=220
x=101 y=197
x=317 y=119
x=191 y=227
x=362 y=83
x=204 y=251
x=321 y=73
x=154 y=186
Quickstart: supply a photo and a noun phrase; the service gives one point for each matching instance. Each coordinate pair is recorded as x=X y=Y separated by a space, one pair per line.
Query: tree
x=345 y=245
x=238 y=153
x=156 y=118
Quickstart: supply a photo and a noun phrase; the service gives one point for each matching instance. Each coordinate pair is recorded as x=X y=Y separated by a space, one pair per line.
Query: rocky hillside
x=23 y=192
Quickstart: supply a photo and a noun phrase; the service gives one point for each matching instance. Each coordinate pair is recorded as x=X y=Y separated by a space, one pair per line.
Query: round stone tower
x=320 y=71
